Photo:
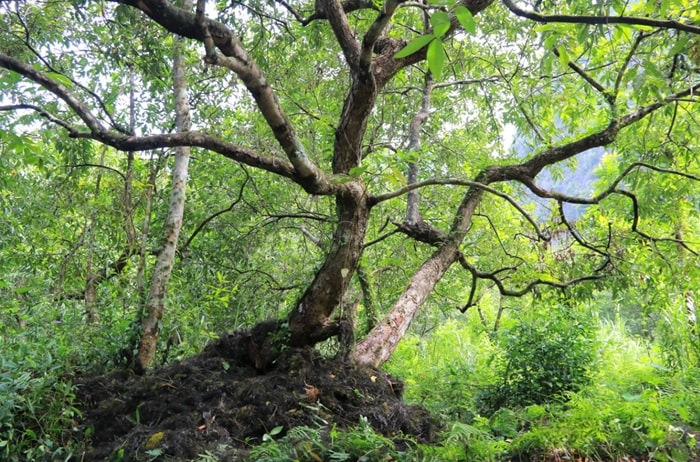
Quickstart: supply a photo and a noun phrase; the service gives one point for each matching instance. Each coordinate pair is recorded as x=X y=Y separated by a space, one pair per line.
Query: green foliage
x=633 y=407
x=445 y=372
x=38 y=419
x=628 y=405
x=250 y=257
x=360 y=443
x=546 y=355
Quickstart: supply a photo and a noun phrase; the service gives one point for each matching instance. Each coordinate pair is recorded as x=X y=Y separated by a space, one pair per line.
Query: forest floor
x=219 y=398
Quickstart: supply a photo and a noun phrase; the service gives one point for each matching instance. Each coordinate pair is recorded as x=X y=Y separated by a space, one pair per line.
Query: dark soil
x=220 y=398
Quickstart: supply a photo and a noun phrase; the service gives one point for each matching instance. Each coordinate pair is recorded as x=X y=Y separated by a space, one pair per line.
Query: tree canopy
x=351 y=162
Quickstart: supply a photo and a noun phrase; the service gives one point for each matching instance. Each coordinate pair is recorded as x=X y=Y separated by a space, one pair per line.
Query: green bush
x=546 y=355
x=37 y=415
x=444 y=371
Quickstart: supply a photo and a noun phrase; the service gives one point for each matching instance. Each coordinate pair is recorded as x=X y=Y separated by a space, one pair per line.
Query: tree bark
x=155 y=302
x=309 y=321
x=377 y=347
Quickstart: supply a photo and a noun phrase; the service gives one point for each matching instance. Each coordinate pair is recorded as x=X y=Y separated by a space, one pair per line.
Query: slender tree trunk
x=414 y=142
x=129 y=175
x=93 y=316
x=155 y=302
x=145 y=226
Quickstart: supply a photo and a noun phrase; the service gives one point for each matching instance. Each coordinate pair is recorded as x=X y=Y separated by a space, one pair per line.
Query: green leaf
x=447 y=3
x=414 y=45
x=681 y=45
x=60 y=78
x=440 y=22
x=550 y=41
x=563 y=56
x=355 y=172
x=436 y=58
x=466 y=19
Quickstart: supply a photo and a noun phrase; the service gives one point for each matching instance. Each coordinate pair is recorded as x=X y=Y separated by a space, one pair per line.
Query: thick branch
x=234 y=57
x=527 y=171
x=132 y=143
x=375 y=31
x=43 y=113
x=26 y=42
x=54 y=87
x=202 y=140
x=342 y=30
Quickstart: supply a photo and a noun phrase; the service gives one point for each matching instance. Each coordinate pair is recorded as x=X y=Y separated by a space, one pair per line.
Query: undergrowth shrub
x=634 y=407
x=38 y=417
x=546 y=354
x=360 y=443
x=444 y=371
x=37 y=414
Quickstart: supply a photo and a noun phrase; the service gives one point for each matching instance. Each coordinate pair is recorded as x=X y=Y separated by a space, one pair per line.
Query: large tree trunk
x=155 y=302
x=309 y=321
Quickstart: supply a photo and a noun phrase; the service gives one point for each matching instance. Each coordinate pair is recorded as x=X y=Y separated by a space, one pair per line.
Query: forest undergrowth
x=561 y=387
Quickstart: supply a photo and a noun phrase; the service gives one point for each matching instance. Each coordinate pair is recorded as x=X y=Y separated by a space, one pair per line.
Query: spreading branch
x=601 y=20
x=373 y=200
x=598 y=273
x=45 y=114
x=527 y=171
x=97 y=131
x=234 y=57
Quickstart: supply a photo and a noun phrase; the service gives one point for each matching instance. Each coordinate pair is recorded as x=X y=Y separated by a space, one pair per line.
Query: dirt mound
x=220 y=398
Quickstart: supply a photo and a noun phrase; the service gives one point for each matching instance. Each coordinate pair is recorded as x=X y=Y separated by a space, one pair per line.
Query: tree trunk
x=93 y=317
x=380 y=343
x=309 y=321
x=155 y=302
x=413 y=198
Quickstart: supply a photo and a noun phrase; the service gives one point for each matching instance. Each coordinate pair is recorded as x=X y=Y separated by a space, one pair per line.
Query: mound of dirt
x=220 y=398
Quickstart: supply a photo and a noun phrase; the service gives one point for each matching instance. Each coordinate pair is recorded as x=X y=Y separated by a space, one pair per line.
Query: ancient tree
x=526 y=86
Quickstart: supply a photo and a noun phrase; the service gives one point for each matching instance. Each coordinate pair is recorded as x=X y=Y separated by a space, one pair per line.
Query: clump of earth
x=220 y=399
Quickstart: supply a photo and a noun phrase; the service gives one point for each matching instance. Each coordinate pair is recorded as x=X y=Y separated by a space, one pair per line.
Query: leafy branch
x=233 y=56
x=601 y=20
x=99 y=132
x=425 y=232
x=598 y=273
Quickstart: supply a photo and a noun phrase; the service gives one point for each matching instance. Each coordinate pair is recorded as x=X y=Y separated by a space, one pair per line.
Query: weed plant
x=627 y=402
